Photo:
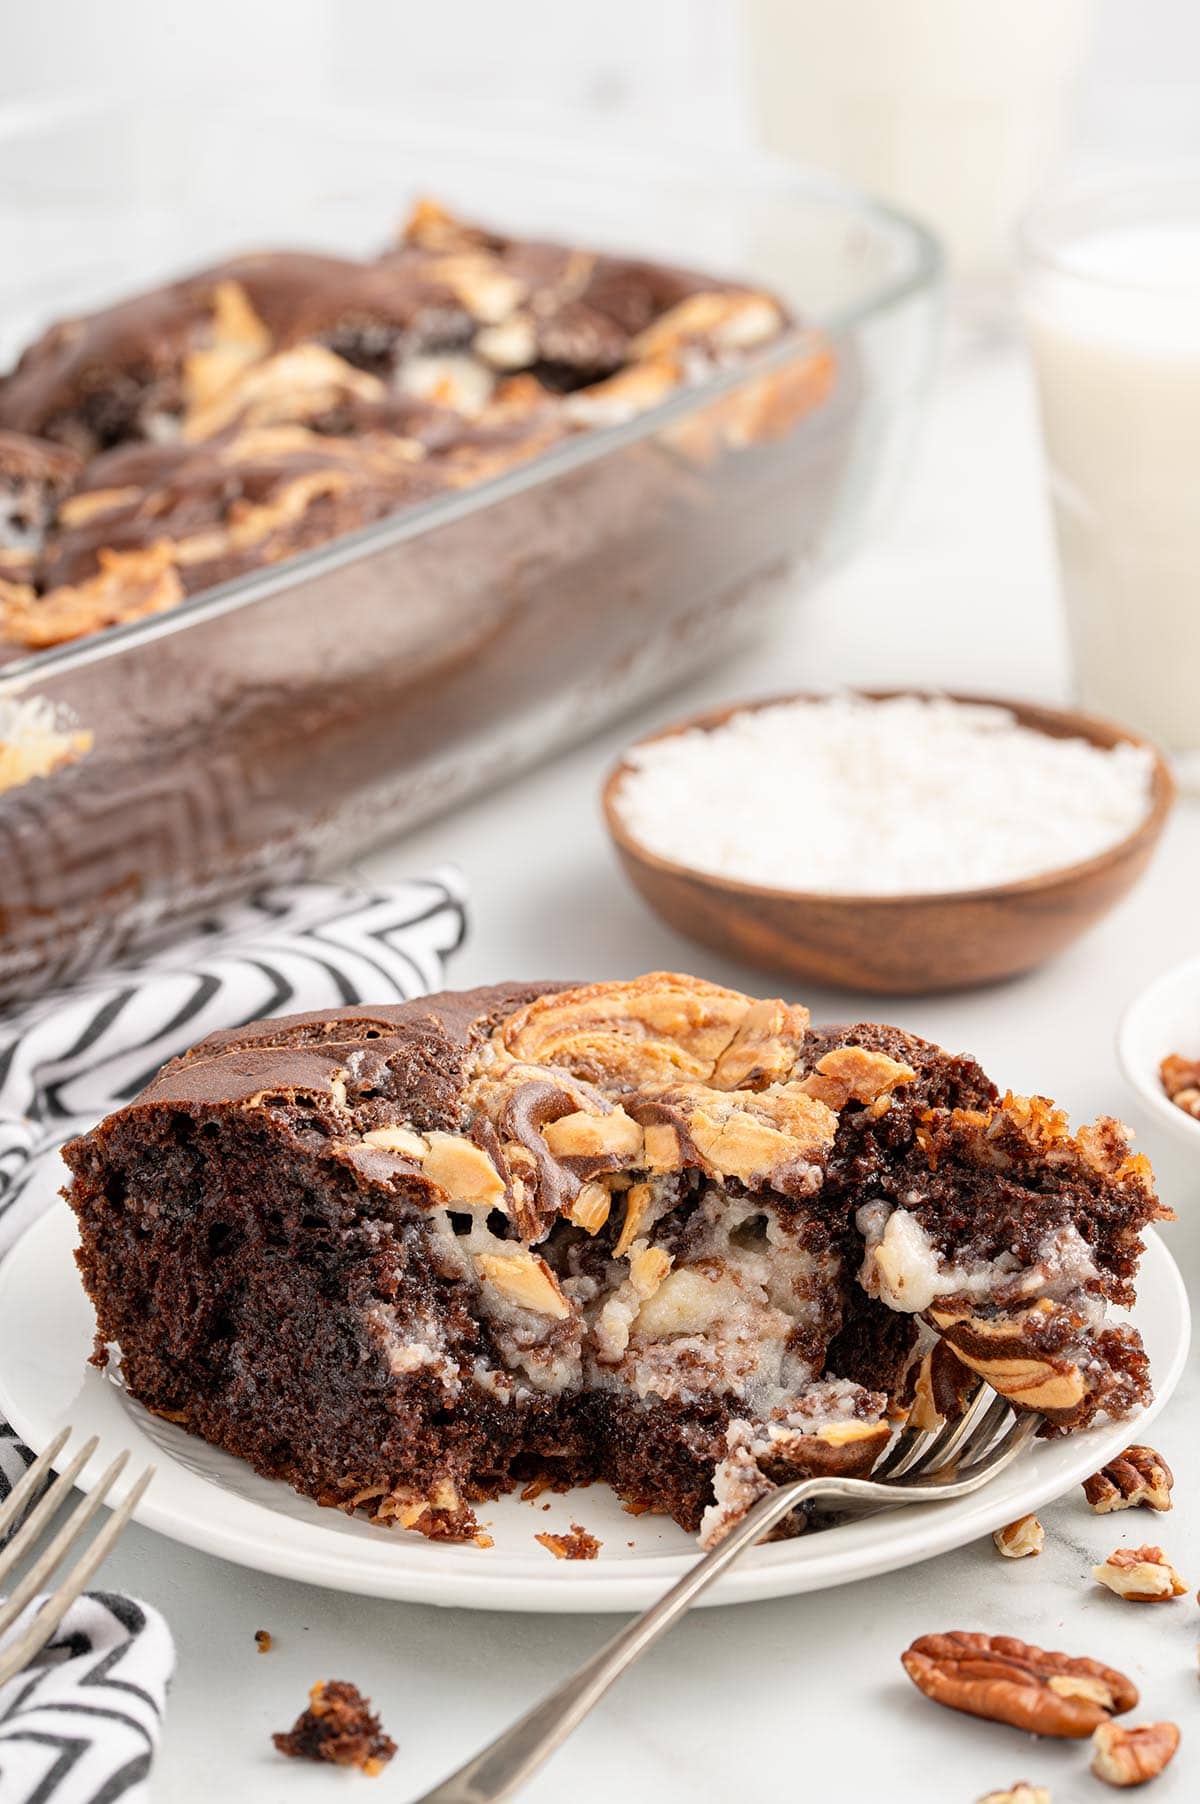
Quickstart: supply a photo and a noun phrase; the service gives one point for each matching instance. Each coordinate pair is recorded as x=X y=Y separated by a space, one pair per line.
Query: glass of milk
x=952 y=109
x=1111 y=301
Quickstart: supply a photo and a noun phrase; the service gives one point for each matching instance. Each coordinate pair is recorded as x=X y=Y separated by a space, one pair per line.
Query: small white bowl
x=1165 y=1018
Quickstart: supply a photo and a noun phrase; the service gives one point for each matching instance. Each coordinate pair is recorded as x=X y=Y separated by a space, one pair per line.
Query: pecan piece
x=1181 y=1080
x=1137 y=1476
x=1131 y=1756
x=591 y=1207
x=852 y=1074
x=525 y=1279
x=583 y=1135
x=1141 y=1575
x=1020 y=1538
x=1020 y=1793
x=1008 y=1681
x=464 y=1171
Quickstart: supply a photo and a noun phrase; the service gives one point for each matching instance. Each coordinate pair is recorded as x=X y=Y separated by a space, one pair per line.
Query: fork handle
x=506 y=1763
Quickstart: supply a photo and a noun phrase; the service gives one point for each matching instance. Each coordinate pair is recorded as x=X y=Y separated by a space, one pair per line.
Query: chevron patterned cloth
x=80 y=1727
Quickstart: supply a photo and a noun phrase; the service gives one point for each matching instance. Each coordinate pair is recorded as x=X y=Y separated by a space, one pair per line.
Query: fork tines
x=957 y=1443
x=29 y=1517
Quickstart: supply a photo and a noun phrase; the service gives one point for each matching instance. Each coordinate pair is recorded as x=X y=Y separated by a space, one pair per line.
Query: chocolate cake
x=256 y=409
x=650 y=1232
x=34 y=478
x=338 y=1725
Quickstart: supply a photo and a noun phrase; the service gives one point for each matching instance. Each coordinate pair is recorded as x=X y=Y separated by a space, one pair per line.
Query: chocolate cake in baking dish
x=253 y=410
x=651 y=1232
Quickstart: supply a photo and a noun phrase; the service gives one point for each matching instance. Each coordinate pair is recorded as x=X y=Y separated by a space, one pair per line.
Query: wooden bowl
x=898 y=944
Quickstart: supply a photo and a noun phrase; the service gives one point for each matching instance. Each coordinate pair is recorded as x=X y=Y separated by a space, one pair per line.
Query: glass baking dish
x=293 y=717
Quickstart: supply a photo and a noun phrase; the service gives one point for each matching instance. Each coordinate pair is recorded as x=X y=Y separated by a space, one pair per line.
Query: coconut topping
x=903 y=796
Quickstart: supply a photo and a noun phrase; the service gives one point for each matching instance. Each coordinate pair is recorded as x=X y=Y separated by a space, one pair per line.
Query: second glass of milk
x=1111 y=300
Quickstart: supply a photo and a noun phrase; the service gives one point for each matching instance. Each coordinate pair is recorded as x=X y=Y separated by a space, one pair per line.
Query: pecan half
x=1141 y=1575
x=1137 y=1476
x=1020 y=1538
x=1020 y=1793
x=1008 y=1681
x=1131 y=1756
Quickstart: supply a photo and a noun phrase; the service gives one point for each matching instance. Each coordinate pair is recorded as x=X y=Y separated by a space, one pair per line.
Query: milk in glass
x=1112 y=308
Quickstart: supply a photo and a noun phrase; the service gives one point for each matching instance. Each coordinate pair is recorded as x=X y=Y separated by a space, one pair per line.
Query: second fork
x=922 y=1467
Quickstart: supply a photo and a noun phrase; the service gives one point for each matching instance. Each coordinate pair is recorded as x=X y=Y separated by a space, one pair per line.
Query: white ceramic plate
x=212 y=1501
x=1165 y=1018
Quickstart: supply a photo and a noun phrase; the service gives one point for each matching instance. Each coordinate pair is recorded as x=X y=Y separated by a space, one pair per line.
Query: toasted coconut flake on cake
x=35 y=740
x=129 y=585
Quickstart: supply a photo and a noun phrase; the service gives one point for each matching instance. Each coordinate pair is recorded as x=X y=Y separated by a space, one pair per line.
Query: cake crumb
x=338 y=1726
x=264 y=1640
x=484 y=1540
x=578 y=1545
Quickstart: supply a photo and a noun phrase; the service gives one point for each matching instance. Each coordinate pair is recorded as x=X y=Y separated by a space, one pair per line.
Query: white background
x=803 y=1698
x=647 y=68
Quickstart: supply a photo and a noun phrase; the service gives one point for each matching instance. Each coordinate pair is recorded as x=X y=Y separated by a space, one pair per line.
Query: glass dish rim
x=733 y=169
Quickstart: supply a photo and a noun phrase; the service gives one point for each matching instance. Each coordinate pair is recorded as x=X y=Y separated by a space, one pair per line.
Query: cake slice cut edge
x=655 y=1233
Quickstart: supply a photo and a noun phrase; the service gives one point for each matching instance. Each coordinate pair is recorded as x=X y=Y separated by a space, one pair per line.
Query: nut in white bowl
x=1164 y=1019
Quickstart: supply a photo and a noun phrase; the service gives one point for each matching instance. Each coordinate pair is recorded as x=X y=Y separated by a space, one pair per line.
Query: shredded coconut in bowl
x=906 y=796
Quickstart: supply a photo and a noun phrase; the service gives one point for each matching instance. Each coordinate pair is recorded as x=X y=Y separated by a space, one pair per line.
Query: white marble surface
x=801 y=1698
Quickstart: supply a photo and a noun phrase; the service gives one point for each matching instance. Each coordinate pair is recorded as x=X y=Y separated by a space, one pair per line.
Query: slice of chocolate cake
x=651 y=1232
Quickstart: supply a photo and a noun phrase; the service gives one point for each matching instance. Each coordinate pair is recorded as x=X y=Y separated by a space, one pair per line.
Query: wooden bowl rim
x=1037 y=715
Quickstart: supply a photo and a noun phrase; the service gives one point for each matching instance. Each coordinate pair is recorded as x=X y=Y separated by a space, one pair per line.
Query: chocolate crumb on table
x=338 y=1726
x=578 y=1545
x=263 y=1640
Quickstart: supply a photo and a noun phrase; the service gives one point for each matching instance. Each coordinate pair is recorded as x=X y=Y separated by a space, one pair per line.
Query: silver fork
x=46 y=1563
x=921 y=1466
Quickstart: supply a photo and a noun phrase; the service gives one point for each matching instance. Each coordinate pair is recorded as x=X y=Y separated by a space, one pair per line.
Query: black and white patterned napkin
x=81 y=1726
